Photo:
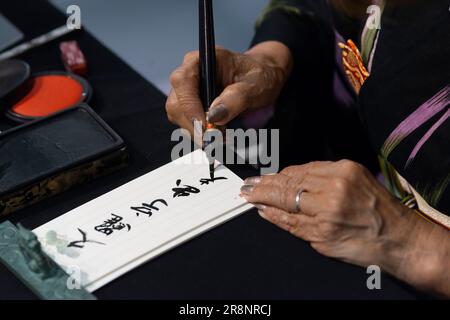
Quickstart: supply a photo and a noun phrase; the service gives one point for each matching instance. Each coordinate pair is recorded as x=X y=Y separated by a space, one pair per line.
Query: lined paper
x=140 y=237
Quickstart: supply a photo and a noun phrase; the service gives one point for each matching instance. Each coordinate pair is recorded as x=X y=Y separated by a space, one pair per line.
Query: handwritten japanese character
x=149 y=208
x=184 y=191
x=115 y=223
x=211 y=180
x=80 y=243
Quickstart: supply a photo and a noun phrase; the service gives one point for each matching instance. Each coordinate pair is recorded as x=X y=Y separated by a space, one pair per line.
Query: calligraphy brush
x=207 y=48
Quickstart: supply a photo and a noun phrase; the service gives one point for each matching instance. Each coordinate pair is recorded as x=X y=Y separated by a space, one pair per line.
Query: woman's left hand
x=343 y=211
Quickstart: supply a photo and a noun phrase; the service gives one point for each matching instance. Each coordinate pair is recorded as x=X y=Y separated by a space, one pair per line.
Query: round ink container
x=13 y=74
x=47 y=93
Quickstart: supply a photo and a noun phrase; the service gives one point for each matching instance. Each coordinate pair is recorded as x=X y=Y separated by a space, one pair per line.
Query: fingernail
x=217 y=114
x=253 y=181
x=247 y=189
x=262 y=214
x=260 y=206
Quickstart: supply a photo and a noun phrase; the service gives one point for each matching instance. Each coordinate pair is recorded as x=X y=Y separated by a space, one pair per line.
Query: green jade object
x=21 y=252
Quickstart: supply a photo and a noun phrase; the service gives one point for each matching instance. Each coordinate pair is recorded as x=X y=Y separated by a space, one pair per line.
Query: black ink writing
x=179 y=191
x=149 y=208
x=111 y=225
x=80 y=243
x=184 y=191
x=212 y=180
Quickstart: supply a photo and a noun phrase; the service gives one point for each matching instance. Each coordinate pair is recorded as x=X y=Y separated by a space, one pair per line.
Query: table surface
x=246 y=258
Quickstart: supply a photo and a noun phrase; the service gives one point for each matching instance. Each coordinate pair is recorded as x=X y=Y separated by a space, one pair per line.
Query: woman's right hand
x=251 y=80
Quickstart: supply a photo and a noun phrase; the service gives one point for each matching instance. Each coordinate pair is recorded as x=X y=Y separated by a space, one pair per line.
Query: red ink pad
x=47 y=93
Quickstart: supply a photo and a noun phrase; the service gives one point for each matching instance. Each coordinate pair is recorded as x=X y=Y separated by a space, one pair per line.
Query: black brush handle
x=207 y=54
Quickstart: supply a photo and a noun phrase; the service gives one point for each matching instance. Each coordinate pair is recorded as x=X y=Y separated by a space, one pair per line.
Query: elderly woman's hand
x=340 y=208
x=345 y=213
x=249 y=81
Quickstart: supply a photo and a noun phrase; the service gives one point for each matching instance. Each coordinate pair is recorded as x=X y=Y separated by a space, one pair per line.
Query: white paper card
x=108 y=236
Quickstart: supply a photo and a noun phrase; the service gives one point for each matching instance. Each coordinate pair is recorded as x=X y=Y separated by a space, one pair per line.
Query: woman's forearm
x=275 y=52
x=418 y=252
x=278 y=61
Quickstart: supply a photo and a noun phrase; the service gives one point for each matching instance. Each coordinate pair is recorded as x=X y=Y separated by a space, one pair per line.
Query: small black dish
x=13 y=73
